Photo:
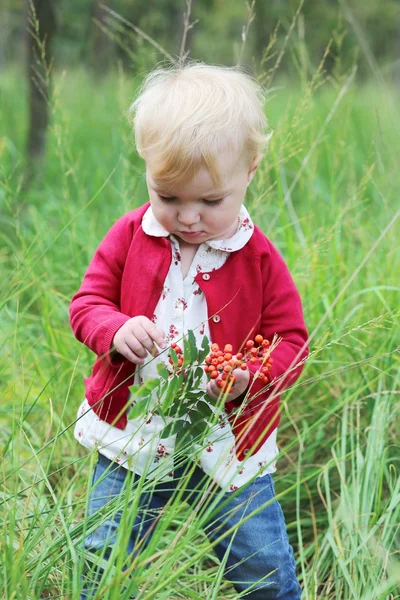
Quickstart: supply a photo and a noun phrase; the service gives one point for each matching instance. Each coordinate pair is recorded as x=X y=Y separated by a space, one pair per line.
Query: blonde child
x=191 y=258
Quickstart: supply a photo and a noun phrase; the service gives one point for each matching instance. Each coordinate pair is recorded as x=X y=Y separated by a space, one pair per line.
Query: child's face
x=196 y=211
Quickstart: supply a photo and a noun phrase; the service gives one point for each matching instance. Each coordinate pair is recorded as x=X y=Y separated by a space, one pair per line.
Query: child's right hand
x=137 y=337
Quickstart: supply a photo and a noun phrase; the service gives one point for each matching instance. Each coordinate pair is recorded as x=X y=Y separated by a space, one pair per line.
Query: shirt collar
x=244 y=231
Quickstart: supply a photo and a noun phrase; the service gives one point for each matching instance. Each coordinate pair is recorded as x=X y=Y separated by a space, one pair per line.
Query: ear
x=253 y=167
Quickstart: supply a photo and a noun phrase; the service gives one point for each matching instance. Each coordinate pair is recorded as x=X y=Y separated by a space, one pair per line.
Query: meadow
x=327 y=195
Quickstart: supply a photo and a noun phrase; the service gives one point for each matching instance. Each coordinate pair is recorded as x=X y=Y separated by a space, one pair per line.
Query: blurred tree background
x=98 y=34
x=291 y=38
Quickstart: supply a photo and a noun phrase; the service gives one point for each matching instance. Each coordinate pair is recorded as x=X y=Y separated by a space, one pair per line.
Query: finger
x=132 y=356
x=136 y=346
x=144 y=338
x=212 y=390
x=156 y=334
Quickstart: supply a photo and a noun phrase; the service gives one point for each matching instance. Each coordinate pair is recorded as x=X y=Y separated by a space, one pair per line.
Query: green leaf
x=195 y=416
x=204 y=410
x=189 y=380
x=193 y=395
x=163 y=371
x=189 y=349
x=210 y=400
x=148 y=387
x=198 y=429
x=172 y=390
x=193 y=346
x=174 y=357
x=199 y=372
x=140 y=408
x=205 y=350
x=184 y=438
x=178 y=408
x=171 y=429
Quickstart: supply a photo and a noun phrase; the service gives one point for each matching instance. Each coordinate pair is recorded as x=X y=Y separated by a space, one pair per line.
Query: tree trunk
x=101 y=46
x=40 y=28
x=397 y=55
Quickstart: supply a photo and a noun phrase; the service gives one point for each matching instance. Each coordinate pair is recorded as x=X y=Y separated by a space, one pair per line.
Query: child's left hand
x=241 y=384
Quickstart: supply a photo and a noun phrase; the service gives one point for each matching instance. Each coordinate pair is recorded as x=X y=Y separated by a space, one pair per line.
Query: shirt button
x=206 y=276
x=216 y=318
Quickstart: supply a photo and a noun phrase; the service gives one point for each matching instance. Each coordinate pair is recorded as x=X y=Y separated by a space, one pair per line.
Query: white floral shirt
x=182 y=306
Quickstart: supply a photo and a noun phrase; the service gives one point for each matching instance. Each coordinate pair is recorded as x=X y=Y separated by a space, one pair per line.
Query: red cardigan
x=253 y=292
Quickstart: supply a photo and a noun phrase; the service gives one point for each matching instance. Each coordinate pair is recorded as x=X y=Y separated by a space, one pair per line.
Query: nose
x=188 y=216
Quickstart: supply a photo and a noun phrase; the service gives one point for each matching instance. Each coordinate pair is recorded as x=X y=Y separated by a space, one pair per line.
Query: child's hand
x=137 y=337
x=241 y=384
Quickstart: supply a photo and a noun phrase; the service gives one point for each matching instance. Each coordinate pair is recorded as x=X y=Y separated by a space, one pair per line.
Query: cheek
x=163 y=214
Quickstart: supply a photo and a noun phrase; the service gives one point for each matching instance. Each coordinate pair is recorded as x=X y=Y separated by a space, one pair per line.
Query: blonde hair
x=185 y=115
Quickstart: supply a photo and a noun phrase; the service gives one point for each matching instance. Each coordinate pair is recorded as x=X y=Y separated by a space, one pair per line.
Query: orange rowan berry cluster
x=258 y=351
x=222 y=363
x=179 y=354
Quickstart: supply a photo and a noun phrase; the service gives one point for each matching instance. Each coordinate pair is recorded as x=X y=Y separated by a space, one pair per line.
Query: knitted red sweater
x=253 y=292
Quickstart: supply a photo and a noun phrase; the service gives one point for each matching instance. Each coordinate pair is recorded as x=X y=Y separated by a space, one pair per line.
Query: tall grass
x=327 y=195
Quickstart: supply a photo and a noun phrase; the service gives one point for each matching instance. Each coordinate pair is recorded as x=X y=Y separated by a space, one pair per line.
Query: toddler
x=192 y=259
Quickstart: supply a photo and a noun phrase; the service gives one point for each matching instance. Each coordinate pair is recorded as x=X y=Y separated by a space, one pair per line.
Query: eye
x=213 y=202
x=166 y=198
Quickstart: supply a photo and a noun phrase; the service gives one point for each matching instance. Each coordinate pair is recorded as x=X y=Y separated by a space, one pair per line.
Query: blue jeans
x=260 y=548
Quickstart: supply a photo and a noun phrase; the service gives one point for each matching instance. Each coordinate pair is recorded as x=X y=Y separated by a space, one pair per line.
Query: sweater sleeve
x=282 y=316
x=95 y=314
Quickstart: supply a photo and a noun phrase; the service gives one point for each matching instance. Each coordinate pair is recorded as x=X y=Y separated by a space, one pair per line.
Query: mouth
x=191 y=233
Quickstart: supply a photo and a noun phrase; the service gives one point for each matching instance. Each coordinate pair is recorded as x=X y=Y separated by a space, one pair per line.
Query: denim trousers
x=260 y=558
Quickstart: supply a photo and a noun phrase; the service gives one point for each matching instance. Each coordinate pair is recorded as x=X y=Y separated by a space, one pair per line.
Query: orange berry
x=239 y=356
x=228 y=348
x=219 y=353
x=220 y=360
x=227 y=369
x=243 y=366
x=265 y=343
x=265 y=370
x=214 y=374
x=208 y=360
x=258 y=339
x=253 y=360
x=214 y=361
x=254 y=351
x=224 y=376
x=177 y=349
x=214 y=347
x=249 y=344
x=228 y=356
